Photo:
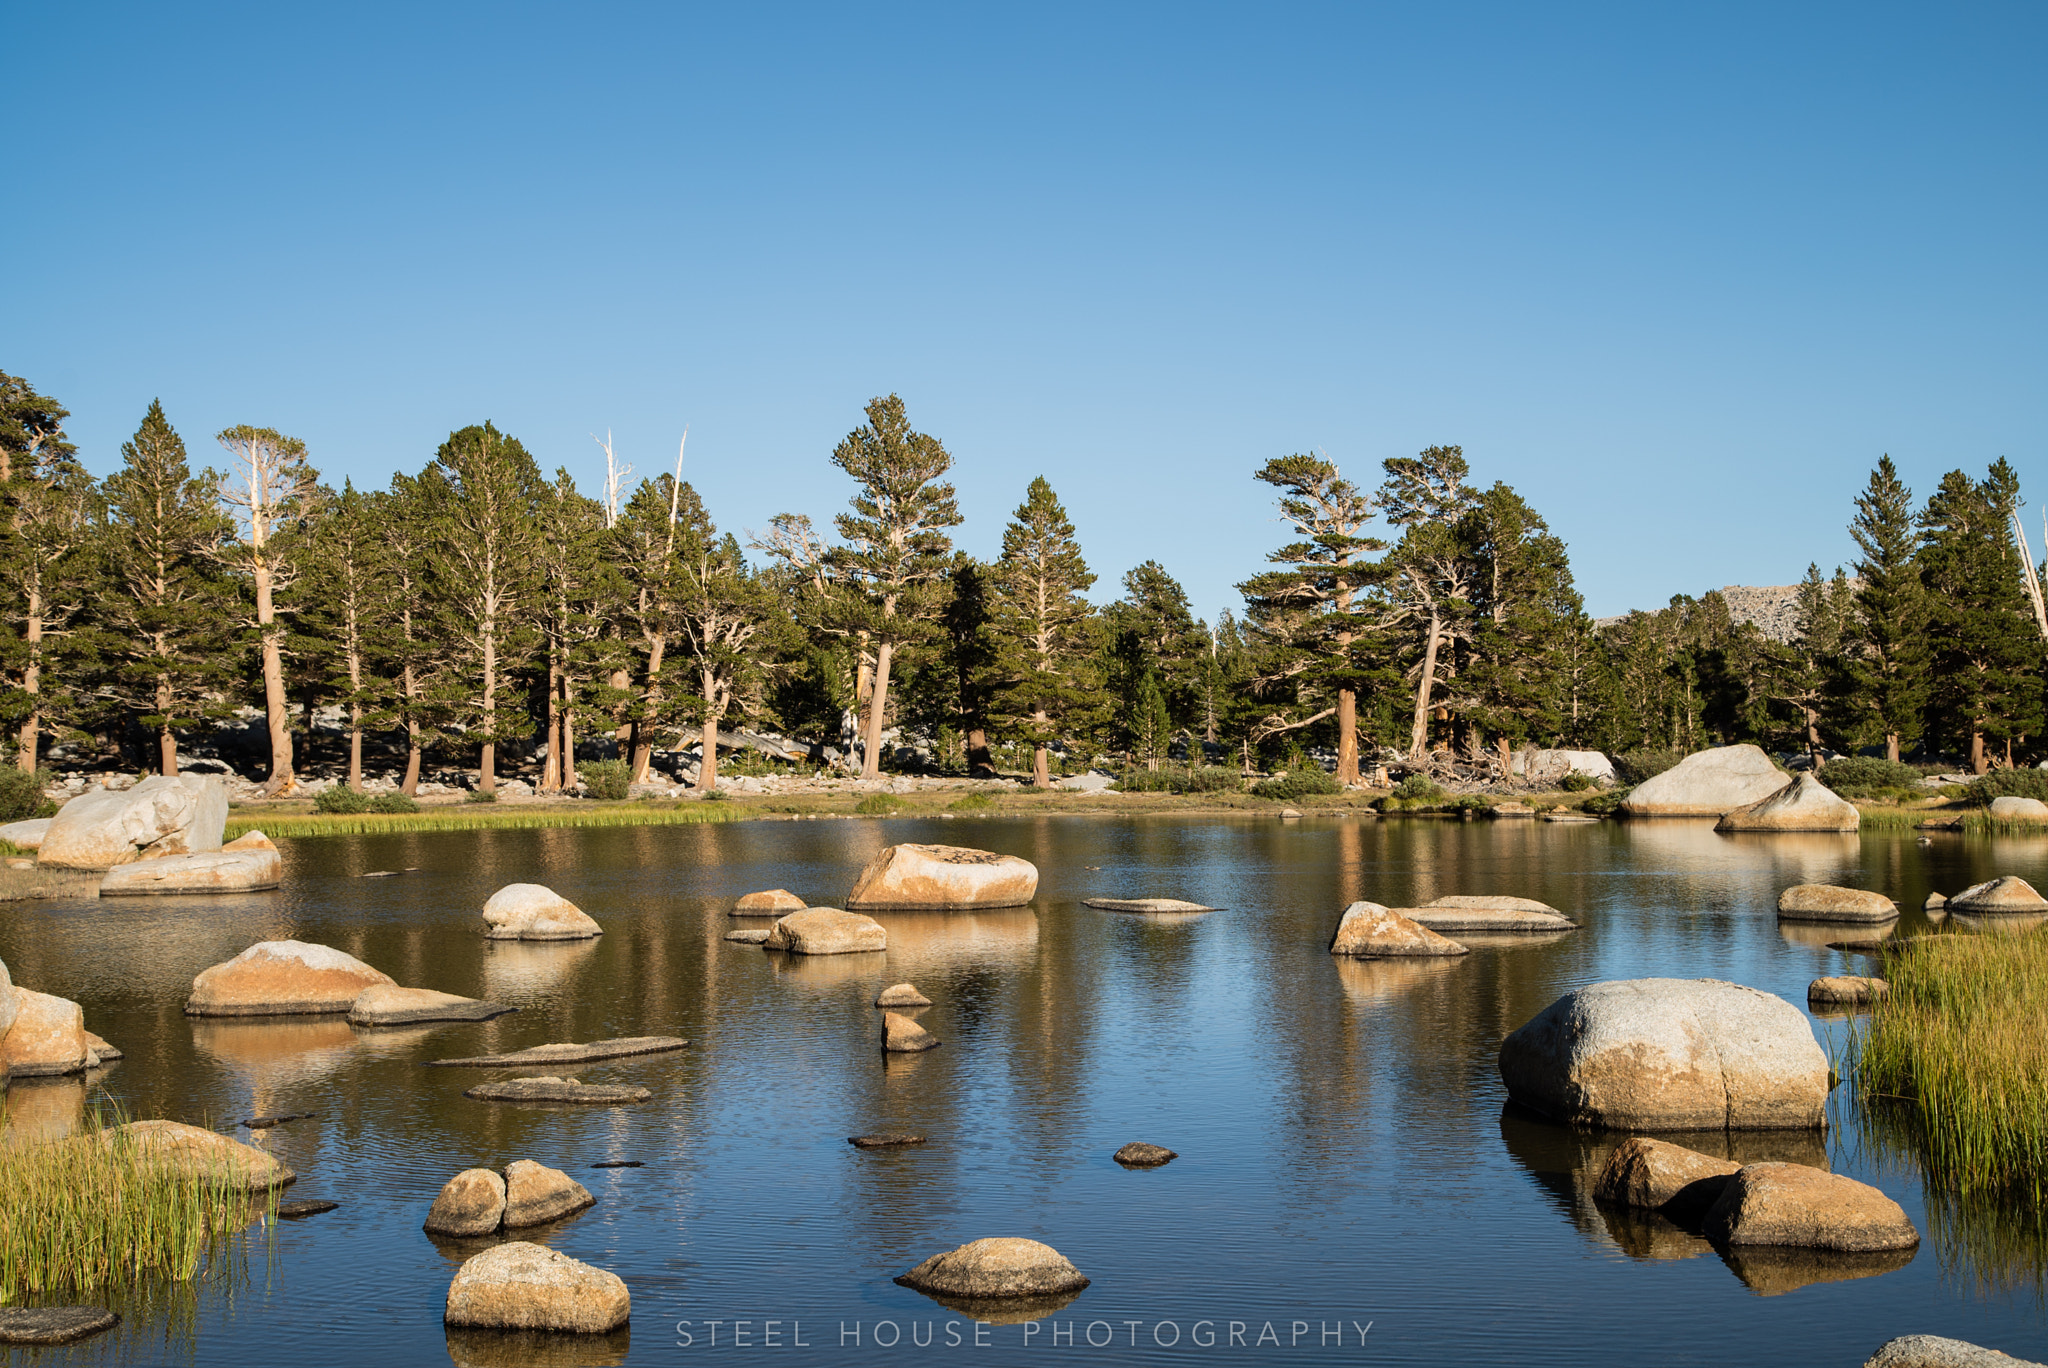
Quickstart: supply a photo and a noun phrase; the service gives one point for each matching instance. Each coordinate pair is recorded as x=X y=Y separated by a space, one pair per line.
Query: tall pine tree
x=269 y=494
x=1985 y=689
x=48 y=507
x=1040 y=616
x=1886 y=665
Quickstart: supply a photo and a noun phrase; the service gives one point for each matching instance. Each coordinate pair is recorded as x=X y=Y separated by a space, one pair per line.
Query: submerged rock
x=1809 y=1208
x=1656 y=1175
x=1849 y=989
x=190 y=1149
x=827 y=931
x=1138 y=1154
x=247 y=864
x=1709 y=783
x=1669 y=1054
x=524 y=911
x=1827 y=903
x=776 y=902
x=298 y=1211
x=387 y=1004
x=48 y=1037
x=536 y=1194
x=996 y=1268
x=102 y=828
x=1370 y=931
x=523 y=1286
x=551 y=1089
x=1145 y=905
x=2009 y=893
x=282 y=978
x=901 y=1035
x=1805 y=804
x=942 y=878
x=902 y=995
x=886 y=1140
x=748 y=935
x=542 y=1055
x=53 y=1324
x=470 y=1204
x=1473 y=913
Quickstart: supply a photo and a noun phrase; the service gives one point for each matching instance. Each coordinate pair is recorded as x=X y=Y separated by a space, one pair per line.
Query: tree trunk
x=1979 y=762
x=487 y=763
x=650 y=710
x=166 y=744
x=1507 y=758
x=871 y=763
x=1347 y=737
x=487 y=769
x=1041 y=768
x=1418 y=731
x=32 y=683
x=355 y=746
x=410 y=785
x=551 y=773
x=977 y=750
x=276 y=711
x=1891 y=747
x=568 y=731
x=707 y=766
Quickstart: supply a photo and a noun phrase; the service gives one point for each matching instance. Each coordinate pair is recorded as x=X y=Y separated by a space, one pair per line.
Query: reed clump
x=1960 y=1044
x=474 y=818
x=93 y=1210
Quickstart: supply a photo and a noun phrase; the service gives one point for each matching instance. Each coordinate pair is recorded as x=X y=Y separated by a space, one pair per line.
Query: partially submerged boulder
x=902 y=995
x=942 y=878
x=1371 y=931
x=1827 y=903
x=996 y=1268
x=536 y=1194
x=1138 y=1154
x=47 y=1039
x=191 y=1149
x=28 y=835
x=1709 y=783
x=1805 y=804
x=748 y=935
x=525 y=1286
x=2019 y=809
x=1669 y=1054
x=776 y=902
x=387 y=1004
x=1657 y=1175
x=1993 y=897
x=1846 y=990
x=534 y=912
x=248 y=864
x=1809 y=1208
x=102 y=828
x=471 y=1204
x=571 y=1091
x=1146 y=905
x=901 y=1035
x=826 y=931
x=282 y=978
x=1476 y=913
x=567 y=1052
x=54 y=1324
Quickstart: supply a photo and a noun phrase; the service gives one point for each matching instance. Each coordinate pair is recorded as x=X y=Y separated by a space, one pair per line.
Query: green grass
x=1891 y=819
x=1960 y=1046
x=973 y=802
x=10 y=849
x=470 y=817
x=879 y=805
x=85 y=1213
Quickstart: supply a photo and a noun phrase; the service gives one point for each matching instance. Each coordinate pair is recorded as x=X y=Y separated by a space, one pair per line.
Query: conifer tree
x=973 y=657
x=351 y=610
x=1985 y=687
x=1311 y=609
x=1039 y=616
x=645 y=546
x=48 y=504
x=1806 y=669
x=484 y=496
x=166 y=604
x=269 y=494
x=1885 y=686
x=1430 y=586
x=1511 y=679
x=577 y=582
x=894 y=547
x=726 y=624
x=414 y=664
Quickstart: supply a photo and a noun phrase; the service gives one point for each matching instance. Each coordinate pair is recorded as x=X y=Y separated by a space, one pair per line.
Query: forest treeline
x=483 y=613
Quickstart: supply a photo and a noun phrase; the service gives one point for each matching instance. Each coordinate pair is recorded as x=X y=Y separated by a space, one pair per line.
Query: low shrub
x=1637 y=765
x=1864 y=772
x=480 y=796
x=1199 y=779
x=1419 y=786
x=609 y=781
x=21 y=796
x=2009 y=783
x=1306 y=782
x=1468 y=802
x=1602 y=804
x=393 y=802
x=341 y=798
x=1576 y=782
x=973 y=802
x=879 y=805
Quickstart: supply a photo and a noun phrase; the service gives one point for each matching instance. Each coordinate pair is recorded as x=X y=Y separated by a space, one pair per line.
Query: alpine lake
x=1352 y=1184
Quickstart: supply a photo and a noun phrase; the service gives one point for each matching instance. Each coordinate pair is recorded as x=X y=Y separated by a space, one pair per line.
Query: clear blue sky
x=1678 y=274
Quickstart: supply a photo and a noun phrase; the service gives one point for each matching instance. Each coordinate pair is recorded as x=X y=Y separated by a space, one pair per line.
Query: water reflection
x=533 y=1349
x=522 y=972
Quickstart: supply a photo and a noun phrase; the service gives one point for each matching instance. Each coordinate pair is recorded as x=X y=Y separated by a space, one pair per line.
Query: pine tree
x=350 y=618
x=48 y=506
x=1310 y=610
x=484 y=496
x=894 y=551
x=578 y=582
x=1804 y=670
x=1430 y=587
x=1511 y=677
x=973 y=659
x=1039 y=619
x=644 y=556
x=1885 y=686
x=727 y=625
x=414 y=663
x=1985 y=680
x=269 y=496
x=166 y=603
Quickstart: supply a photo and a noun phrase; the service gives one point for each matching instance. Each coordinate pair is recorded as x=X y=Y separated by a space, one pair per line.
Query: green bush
x=1419 y=786
x=1468 y=802
x=393 y=802
x=480 y=796
x=1304 y=782
x=1576 y=782
x=1601 y=804
x=21 y=796
x=608 y=780
x=1865 y=772
x=2009 y=783
x=973 y=802
x=1637 y=765
x=879 y=805
x=341 y=798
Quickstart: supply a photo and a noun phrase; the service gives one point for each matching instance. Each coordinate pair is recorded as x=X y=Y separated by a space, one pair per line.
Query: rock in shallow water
x=193 y=1150
x=2002 y=895
x=391 y=1005
x=536 y=1194
x=470 y=1204
x=1152 y=905
x=1805 y=804
x=1807 y=1208
x=48 y=1037
x=942 y=877
x=1138 y=1154
x=523 y=1286
x=247 y=864
x=996 y=1268
x=1655 y=1175
x=1472 y=914
x=888 y=1140
x=902 y=995
x=298 y=1211
x=748 y=935
x=1371 y=931
x=1827 y=903
x=827 y=931
x=524 y=911
x=557 y=1090
x=901 y=1035
x=1846 y=989
x=53 y=1324
x=282 y=978
x=776 y=902
x=1932 y=1351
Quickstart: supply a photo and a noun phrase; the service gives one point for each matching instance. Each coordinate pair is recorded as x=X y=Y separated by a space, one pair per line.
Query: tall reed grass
x=1960 y=1046
x=95 y=1211
x=476 y=819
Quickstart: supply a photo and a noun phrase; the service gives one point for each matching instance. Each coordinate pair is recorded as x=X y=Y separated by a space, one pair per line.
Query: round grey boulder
x=996 y=1268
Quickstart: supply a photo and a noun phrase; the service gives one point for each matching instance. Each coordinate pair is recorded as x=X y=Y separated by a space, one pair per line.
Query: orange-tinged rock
x=942 y=878
x=282 y=978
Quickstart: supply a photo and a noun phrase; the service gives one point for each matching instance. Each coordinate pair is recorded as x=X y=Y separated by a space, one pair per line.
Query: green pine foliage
x=608 y=780
x=49 y=509
x=1039 y=623
x=2004 y=783
x=1884 y=678
x=1985 y=690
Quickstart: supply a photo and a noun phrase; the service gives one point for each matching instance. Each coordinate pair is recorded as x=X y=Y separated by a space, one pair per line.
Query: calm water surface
x=1346 y=1154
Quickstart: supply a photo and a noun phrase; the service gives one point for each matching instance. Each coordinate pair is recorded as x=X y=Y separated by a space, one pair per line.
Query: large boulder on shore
x=101 y=828
x=248 y=864
x=1827 y=903
x=826 y=931
x=282 y=978
x=1370 y=931
x=1709 y=783
x=525 y=1286
x=2019 y=809
x=1998 y=896
x=524 y=911
x=1809 y=1208
x=1805 y=804
x=1933 y=1351
x=191 y=1149
x=47 y=1038
x=1669 y=1055
x=996 y=1268
x=942 y=878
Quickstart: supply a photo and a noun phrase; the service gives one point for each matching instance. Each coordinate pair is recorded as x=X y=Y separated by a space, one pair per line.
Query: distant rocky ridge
x=1774 y=608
